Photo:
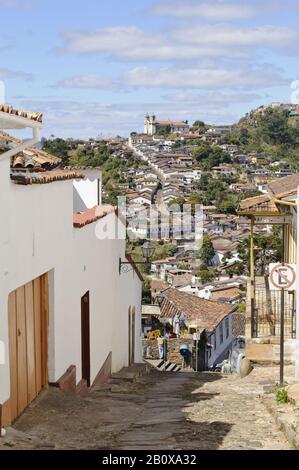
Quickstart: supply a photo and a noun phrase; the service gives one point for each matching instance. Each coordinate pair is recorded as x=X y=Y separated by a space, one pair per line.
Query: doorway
x=131 y=335
x=28 y=343
x=85 y=338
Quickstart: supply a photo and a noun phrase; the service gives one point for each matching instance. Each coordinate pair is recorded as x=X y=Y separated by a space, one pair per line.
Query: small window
x=215 y=341
x=221 y=333
x=227 y=327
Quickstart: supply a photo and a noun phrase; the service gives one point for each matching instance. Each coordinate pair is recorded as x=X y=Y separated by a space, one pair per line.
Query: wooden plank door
x=133 y=336
x=130 y=337
x=28 y=343
x=21 y=351
x=85 y=338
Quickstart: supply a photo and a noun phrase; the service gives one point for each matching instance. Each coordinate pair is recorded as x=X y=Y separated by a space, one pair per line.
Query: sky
x=97 y=67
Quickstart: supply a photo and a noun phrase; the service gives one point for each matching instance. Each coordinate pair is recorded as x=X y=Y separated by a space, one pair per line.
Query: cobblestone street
x=156 y=411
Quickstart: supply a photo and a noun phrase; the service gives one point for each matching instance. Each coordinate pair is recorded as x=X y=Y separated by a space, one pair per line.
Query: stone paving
x=156 y=411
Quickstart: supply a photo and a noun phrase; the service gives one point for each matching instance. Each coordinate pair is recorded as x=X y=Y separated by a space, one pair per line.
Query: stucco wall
x=37 y=236
x=221 y=349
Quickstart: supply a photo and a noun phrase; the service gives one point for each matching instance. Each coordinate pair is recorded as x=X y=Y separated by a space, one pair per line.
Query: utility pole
x=282 y=306
x=252 y=289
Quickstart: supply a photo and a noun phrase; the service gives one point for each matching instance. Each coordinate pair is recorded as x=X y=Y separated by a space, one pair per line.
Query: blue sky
x=96 y=67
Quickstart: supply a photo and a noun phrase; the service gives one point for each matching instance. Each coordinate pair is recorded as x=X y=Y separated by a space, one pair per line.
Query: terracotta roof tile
x=44 y=177
x=36 y=157
x=191 y=307
x=287 y=184
x=5 y=108
x=258 y=203
x=172 y=123
x=89 y=216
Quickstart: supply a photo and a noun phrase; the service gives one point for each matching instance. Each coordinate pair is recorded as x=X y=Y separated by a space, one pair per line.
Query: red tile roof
x=31 y=157
x=172 y=123
x=5 y=108
x=191 y=307
x=89 y=216
x=157 y=284
x=44 y=177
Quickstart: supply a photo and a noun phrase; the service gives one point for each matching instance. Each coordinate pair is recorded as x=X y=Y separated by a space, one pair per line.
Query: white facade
x=297 y=300
x=88 y=192
x=221 y=340
x=37 y=236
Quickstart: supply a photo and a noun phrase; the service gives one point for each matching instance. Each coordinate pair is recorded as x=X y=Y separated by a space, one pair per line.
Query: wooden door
x=131 y=335
x=28 y=343
x=85 y=338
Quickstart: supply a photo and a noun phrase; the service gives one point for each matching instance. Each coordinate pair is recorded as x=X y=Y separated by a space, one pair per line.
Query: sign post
x=282 y=277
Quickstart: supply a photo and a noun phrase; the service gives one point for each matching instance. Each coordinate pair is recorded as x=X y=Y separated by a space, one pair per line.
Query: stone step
x=267 y=353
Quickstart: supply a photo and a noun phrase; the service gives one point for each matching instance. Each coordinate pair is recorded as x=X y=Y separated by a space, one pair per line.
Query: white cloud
x=87 y=81
x=212 y=98
x=7 y=74
x=204 y=78
x=184 y=43
x=217 y=10
x=132 y=43
x=227 y=36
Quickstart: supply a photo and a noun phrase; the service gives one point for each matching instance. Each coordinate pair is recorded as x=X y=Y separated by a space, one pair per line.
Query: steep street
x=154 y=411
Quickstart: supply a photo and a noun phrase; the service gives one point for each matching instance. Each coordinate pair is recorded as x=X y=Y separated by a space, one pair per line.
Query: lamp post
x=148 y=249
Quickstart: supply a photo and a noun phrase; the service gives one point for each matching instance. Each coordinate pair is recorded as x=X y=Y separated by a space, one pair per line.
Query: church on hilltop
x=151 y=126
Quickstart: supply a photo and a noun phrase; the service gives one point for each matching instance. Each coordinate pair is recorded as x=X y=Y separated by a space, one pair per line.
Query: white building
x=213 y=318
x=67 y=315
x=151 y=125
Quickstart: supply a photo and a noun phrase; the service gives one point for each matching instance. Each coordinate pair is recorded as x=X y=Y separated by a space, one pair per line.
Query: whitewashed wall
x=297 y=299
x=37 y=236
x=221 y=348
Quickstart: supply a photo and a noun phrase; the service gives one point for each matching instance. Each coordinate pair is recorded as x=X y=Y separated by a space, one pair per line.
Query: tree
x=207 y=252
x=198 y=124
x=164 y=131
x=209 y=156
x=275 y=128
x=146 y=292
x=179 y=201
x=205 y=274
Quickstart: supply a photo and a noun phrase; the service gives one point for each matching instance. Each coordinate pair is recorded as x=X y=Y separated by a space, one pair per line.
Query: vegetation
x=217 y=192
x=207 y=156
x=207 y=252
x=206 y=275
x=273 y=133
x=268 y=249
x=282 y=396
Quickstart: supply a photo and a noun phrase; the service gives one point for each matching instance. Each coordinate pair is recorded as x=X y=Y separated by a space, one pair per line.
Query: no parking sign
x=282 y=276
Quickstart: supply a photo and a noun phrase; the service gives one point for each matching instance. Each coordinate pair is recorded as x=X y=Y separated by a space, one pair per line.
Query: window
x=215 y=341
x=221 y=332
x=227 y=327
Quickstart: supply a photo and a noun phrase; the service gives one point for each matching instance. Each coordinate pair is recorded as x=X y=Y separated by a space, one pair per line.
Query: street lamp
x=148 y=249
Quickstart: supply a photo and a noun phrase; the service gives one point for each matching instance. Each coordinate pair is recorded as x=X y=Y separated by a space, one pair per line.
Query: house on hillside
x=151 y=126
x=68 y=316
x=213 y=320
